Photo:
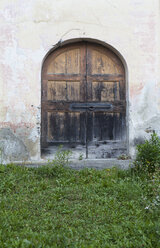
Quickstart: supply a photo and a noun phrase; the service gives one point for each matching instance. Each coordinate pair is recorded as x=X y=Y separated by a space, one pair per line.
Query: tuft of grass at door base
x=61 y=207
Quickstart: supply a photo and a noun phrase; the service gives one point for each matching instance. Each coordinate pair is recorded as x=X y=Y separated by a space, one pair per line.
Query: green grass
x=59 y=207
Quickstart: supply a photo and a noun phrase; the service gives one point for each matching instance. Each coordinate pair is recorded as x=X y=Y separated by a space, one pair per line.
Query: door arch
x=84 y=100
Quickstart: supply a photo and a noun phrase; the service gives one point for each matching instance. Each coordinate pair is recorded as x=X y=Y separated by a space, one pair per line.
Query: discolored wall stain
x=12 y=148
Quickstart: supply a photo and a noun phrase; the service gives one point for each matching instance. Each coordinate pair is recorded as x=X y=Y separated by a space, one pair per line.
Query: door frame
x=105 y=45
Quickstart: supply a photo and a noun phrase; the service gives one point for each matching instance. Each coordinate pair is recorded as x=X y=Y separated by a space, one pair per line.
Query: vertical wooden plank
x=88 y=117
x=83 y=70
x=82 y=133
x=65 y=126
x=122 y=90
x=89 y=126
x=74 y=92
x=56 y=90
x=103 y=126
x=73 y=61
x=83 y=52
x=57 y=65
x=44 y=122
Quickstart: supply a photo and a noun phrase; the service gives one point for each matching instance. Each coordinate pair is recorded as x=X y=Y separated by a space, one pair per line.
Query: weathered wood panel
x=103 y=61
x=66 y=127
x=64 y=91
x=73 y=61
x=57 y=65
x=74 y=91
x=67 y=62
x=105 y=91
x=56 y=90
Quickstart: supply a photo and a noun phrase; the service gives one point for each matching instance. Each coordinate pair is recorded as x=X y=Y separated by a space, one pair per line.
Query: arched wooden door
x=84 y=101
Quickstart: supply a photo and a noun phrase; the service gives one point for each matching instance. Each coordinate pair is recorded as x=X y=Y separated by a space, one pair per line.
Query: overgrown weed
x=56 y=166
x=54 y=206
x=148 y=156
x=147 y=169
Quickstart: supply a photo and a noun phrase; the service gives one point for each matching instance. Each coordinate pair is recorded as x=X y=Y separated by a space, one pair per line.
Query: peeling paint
x=12 y=148
x=14 y=127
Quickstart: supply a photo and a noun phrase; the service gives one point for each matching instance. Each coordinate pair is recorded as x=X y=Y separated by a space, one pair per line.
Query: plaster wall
x=31 y=28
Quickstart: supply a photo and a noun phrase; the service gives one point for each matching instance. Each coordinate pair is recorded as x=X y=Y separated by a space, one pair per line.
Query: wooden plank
x=105 y=91
x=58 y=64
x=59 y=57
x=117 y=106
x=105 y=77
x=122 y=89
x=103 y=61
x=73 y=61
x=62 y=77
x=57 y=90
x=74 y=91
x=65 y=127
x=108 y=126
x=84 y=85
x=44 y=123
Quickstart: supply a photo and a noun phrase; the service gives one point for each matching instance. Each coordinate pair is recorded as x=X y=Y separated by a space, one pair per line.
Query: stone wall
x=31 y=28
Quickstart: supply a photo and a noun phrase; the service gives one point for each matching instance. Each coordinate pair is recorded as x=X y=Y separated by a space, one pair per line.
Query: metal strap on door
x=90 y=106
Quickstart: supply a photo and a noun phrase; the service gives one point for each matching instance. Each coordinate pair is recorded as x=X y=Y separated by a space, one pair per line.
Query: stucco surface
x=31 y=28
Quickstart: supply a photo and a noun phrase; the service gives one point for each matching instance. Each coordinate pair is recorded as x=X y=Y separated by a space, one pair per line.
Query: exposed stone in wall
x=12 y=148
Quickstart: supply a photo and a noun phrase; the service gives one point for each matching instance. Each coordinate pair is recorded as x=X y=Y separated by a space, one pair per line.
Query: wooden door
x=106 y=127
x=83 y=101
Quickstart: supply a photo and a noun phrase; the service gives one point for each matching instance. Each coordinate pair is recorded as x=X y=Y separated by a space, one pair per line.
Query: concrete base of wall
x=100 y=163
x=87 y=163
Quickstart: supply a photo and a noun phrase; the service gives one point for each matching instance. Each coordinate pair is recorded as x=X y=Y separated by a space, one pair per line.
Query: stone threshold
x=85 y=163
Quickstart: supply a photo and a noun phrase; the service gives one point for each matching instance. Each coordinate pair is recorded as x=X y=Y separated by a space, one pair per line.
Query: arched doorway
x=84 y=101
